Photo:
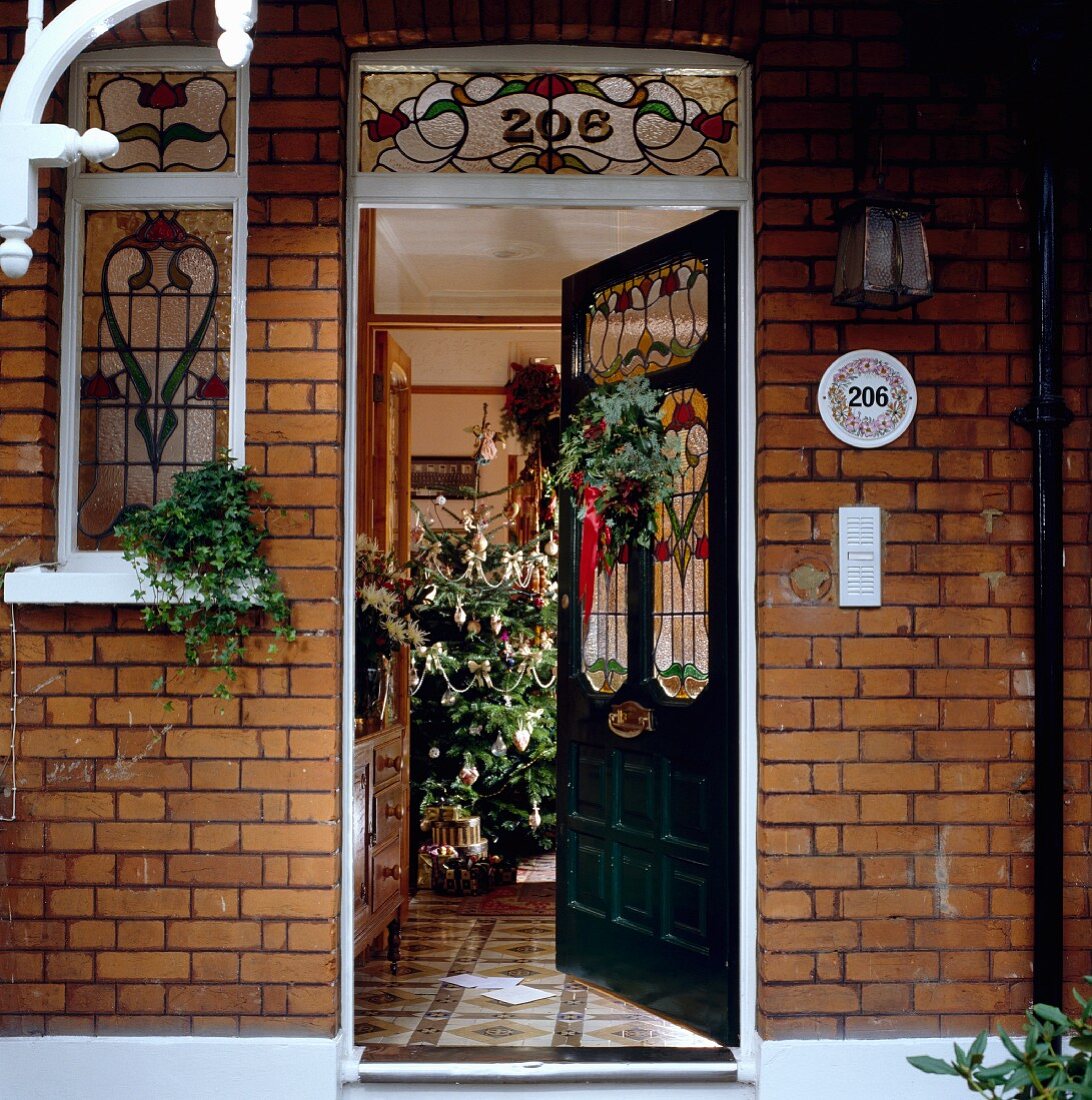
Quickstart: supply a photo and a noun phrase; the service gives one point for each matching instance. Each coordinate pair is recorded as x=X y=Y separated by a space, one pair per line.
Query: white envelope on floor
x=519 y=995
x=480 y=981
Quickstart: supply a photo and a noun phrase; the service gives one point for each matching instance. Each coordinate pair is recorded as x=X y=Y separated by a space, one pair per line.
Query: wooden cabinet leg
x=394 y=943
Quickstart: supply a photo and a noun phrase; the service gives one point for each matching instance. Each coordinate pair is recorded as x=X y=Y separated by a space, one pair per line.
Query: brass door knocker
x=629 y=719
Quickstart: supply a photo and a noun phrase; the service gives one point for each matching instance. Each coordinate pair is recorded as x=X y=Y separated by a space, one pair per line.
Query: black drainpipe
x=1045 y=416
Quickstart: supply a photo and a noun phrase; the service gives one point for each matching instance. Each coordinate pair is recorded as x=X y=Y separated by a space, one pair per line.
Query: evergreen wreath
x=196 y=554
x=619 y=464
x=531 y=396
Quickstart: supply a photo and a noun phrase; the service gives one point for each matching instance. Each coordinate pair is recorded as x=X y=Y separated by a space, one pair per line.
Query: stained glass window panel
x=681 y=124
x=155 y=361
x=165 y=121
x=651 y=321
x=680 y=609
x=605 y=634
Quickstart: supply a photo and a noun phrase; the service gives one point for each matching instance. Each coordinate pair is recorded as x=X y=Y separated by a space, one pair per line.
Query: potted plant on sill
x=198 y=560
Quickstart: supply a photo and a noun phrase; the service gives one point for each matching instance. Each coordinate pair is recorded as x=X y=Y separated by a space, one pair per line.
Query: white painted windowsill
x=115 y=582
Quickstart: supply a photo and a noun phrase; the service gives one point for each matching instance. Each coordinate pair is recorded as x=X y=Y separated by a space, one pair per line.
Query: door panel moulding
x=454 y=190
x=28 y=144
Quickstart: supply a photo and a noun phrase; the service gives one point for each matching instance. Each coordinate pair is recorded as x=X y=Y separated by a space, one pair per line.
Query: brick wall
x=178 y=873
x=895 y=743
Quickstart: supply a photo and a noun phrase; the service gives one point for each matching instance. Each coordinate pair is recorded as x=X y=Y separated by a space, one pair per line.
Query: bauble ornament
x=469 y=774
x=449 y=697
x=534 y=818
x=459 y=614
x=499 y=748
x=522 y=738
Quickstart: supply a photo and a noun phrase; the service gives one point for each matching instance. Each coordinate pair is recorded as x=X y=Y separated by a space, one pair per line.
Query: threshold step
x=452 y=1065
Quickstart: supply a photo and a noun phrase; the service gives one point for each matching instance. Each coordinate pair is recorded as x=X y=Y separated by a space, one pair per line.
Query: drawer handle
x=395 y=810
x=394 y=872
x=395 y=762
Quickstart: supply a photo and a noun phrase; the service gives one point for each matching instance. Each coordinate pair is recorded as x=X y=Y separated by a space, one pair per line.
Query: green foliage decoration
x=197 y=555
x=617 y=459
x=1051 y=1064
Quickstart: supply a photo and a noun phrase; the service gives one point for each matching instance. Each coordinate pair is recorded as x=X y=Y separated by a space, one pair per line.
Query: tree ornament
x=551 y=548
x=475 y=730
x=449 y=697
x=534 y=818
x=522 y=738
x=459 y=614
x=480 y=544
x=496 y=623
x=469 y=774
x=434 y=752
x=499 y=748
x=440 y=500
x=474 y=626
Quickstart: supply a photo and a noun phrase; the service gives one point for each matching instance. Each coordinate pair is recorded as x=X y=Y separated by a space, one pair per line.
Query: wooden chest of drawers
x=380 y=839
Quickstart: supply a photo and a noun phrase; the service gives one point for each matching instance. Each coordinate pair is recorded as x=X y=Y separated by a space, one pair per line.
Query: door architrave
x=454 y=190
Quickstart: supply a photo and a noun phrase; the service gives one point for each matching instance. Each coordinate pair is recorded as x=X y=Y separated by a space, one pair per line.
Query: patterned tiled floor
x=415 y=1008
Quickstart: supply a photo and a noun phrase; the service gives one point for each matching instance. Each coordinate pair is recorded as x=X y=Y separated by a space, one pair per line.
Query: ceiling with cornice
x=499 y=261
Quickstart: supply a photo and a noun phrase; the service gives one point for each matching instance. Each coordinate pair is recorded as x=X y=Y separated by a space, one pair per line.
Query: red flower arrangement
x=531 y=397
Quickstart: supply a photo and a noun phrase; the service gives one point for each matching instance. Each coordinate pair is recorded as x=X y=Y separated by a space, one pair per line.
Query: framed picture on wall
x=452 y=477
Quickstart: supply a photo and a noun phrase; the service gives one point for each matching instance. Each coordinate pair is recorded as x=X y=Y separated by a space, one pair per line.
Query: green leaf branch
x=197 y=554
x=1051 y=1064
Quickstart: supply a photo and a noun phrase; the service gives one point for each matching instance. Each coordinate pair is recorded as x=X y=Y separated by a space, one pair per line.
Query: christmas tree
x=484 y=713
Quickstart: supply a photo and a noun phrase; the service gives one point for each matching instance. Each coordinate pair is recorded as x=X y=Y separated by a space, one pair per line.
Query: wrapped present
x=440 y=813
x=460 y=832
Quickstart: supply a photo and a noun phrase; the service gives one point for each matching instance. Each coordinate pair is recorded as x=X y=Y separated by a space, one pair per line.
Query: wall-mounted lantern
x=883 y=258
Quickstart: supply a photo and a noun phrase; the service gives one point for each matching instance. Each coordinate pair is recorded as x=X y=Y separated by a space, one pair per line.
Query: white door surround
x=374 y=190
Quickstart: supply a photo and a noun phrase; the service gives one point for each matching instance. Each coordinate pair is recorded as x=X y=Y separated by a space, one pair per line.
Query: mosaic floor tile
x=415 y=1009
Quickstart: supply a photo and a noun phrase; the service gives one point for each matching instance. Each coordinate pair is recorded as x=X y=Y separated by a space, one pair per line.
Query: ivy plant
x=1042 y=1068
x=197 y=556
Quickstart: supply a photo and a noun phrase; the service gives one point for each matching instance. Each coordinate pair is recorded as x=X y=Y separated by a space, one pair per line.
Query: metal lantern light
x=883 y=258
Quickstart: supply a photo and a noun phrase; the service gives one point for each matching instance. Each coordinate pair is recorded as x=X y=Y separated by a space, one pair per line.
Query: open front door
x=648 y=844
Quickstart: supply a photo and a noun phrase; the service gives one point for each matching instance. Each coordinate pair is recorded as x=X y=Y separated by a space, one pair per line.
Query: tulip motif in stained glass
x=155 y=362
x=680 y=607
x=682 y=124
x=650 y=322
x=164 y=121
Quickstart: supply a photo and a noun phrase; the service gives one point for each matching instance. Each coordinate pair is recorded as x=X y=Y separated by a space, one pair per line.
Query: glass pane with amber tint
x=653 y=124
x=154 y=367
x=165 y=122
x=680 y=609
x=605 y=635
x=652 y=321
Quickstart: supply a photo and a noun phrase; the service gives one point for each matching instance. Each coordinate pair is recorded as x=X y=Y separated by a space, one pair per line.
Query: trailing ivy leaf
x=442 y=107
x=197 y=554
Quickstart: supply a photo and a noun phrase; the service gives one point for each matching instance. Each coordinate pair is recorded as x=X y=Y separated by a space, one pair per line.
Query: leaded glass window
x=652 y=321
x=652 y=124
x=680 y=606
x=155 y=371
x=606 y=637
x=165 y=121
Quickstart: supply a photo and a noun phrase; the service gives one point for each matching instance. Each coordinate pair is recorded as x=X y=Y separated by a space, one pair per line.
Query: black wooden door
x=648 y=846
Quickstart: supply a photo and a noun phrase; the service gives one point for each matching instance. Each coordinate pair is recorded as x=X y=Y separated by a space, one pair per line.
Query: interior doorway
x=463 y=295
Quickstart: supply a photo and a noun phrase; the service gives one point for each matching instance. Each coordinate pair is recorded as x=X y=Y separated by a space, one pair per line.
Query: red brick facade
x=181 y=876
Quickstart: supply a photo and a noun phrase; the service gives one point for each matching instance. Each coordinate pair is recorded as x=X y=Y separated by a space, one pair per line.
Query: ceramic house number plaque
x=867 y=398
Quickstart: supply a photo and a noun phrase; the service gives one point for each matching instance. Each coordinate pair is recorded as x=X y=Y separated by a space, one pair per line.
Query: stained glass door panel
x=648 y=851
x=680 y=571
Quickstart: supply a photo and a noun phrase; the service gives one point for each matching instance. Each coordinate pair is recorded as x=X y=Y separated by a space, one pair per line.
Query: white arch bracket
x=27 y=144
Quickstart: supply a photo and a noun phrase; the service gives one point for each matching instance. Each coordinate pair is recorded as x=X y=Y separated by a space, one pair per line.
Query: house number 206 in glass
x=592 y=125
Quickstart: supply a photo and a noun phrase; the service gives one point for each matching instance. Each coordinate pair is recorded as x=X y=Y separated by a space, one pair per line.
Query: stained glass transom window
x=605 y=634
x=154 y=367
x=651 y=321
x=165 y=121
x=679 y=124
x=680 y=609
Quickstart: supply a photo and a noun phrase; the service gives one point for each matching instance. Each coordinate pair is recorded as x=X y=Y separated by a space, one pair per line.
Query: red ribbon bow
x=591 y=554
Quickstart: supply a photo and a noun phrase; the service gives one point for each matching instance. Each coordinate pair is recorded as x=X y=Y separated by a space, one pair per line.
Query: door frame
x=457 y=191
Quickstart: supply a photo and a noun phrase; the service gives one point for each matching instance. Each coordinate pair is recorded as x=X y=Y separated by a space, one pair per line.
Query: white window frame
x=369 y=190
x=103 y=576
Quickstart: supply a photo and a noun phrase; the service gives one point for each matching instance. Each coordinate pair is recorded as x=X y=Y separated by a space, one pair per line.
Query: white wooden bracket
x=27 y=144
